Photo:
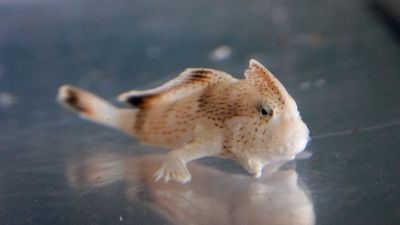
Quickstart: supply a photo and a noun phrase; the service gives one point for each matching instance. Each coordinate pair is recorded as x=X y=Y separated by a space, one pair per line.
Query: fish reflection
x=213 y=197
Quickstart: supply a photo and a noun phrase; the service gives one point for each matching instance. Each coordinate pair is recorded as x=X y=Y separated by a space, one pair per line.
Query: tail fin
x=96 y=109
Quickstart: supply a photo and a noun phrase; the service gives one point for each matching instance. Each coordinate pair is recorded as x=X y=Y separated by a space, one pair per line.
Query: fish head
x=276 y=110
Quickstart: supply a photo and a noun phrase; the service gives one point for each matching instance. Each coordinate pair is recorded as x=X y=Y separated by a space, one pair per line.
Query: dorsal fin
x=263 y=80
x=189 y=82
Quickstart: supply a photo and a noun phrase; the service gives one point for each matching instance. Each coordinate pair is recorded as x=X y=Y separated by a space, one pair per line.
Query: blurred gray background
x=339 y=59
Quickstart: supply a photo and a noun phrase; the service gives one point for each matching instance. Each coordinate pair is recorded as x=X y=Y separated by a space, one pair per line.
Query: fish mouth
x=301 y=138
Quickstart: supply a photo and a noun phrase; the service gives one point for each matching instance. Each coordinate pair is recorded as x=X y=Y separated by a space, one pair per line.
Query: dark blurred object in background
x=388 y=12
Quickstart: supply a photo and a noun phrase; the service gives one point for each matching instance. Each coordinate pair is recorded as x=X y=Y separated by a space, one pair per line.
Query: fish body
x=205 y=112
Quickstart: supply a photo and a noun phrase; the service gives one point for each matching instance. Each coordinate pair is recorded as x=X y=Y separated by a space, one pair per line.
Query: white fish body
x=205 y=112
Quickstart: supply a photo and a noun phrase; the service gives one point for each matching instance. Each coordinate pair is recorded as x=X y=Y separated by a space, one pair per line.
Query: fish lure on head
x=205 y=112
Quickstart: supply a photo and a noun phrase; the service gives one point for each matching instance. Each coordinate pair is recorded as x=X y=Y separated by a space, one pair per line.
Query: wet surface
x=336 y=58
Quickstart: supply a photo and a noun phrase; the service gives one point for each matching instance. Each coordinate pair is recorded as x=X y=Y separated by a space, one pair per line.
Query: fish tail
x=96 y=109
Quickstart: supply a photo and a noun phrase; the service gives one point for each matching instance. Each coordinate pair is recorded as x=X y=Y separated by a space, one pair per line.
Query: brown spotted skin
x=218 y=103
x=205 y=112
x=172 y=124
x=168 y=115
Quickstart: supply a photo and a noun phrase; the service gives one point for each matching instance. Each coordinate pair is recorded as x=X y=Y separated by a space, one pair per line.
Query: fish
x=204 y=113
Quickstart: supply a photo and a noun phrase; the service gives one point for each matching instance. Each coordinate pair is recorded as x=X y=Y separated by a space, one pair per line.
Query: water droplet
x=221 y=53
x=7 y=99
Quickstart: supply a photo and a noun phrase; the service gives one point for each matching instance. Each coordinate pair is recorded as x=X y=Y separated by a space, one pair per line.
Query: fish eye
x=265 y=110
